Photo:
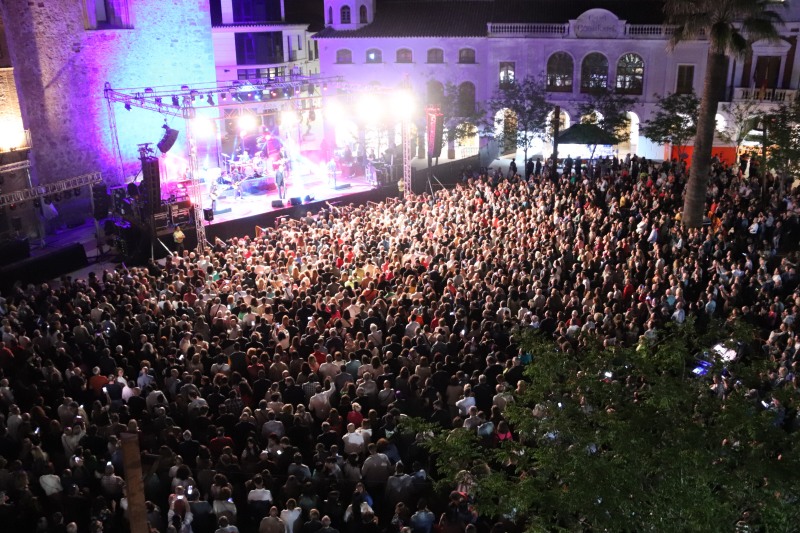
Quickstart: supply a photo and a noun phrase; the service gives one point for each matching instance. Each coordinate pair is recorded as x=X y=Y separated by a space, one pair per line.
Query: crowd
x=265 y=379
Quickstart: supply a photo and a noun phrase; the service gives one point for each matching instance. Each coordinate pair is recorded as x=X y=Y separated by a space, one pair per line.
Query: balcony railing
x=649 y=31
x=527 y=29
x=764 y=95
x=534 y=29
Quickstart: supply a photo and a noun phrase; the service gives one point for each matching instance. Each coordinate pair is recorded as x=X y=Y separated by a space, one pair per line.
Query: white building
x=258 y=39
x=577 y=44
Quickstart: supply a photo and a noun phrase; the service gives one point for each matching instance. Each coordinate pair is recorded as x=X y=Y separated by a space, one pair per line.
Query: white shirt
x=289 y=517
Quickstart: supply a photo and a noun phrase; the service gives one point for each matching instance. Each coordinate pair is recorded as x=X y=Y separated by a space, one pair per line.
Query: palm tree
x=730 y=26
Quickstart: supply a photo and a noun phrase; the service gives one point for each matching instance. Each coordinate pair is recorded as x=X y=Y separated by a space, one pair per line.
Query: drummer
x=245 y=157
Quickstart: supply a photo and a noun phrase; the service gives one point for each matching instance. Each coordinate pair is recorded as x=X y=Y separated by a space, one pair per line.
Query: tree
x=527 y=100
x=728 y=26
x=674 y=122
x=609 y=110
x=783 y=137
x=744 y=116
x=462 y=116
x=630 y=439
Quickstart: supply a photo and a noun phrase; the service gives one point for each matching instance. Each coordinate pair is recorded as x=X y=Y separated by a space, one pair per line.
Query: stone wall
x=61 y=68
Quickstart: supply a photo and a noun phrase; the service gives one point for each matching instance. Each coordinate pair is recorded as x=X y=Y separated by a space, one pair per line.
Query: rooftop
x=469 y=18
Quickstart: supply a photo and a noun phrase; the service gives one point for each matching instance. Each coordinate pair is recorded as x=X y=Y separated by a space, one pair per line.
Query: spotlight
x=273 y=93
x=288 y=92
x=247 y=123
x=175 y=101
x=184 y=87
x=148 y=90
x=158 y=100
x=224 y=96
x=193 y=94
x=325 y=86
x=210 y=100
x=128 y=106
x=257 y=95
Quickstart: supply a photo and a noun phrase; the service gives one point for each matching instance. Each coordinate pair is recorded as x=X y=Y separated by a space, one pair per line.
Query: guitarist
x=280 y=181
x=214 y=193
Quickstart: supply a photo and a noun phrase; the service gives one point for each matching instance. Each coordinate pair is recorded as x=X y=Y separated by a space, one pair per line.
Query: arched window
x=362 y=14
x=466 y=55
x=559 y=73
x=630 y=74
x=404 y=55
x=345 y=15
x=507 y=73
x=435 y=92
x=435 y=55
x=594 y=73
x=344 y=56
x=330 y=15
x=466 y=99
x=374 y=56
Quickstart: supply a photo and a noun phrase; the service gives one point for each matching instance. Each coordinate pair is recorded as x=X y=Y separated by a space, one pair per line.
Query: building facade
x=259 y=39
x=64 y=53
x=576 y=45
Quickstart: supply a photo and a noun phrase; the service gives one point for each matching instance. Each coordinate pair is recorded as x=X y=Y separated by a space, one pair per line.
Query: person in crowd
x=265 y=377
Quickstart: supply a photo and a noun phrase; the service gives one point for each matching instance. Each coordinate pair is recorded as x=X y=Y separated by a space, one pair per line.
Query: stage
x=258 y=200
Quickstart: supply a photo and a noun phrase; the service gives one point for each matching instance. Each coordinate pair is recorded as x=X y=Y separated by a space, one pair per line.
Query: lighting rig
x=184 y=101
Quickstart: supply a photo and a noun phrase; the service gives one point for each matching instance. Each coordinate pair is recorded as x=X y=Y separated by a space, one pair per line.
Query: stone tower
x=63 y=51
x=349 y=14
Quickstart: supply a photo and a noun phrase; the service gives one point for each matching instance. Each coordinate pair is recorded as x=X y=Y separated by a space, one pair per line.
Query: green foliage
x=461 y=122
x=743 y=117
x=613 y=108
x=527 y=100
x=783 y=138
x=628 y=439
x=730 y=25
x=674 y=122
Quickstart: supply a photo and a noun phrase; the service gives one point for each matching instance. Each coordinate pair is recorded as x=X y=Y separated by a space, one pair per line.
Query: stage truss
x=184 y=102
x=273 y=94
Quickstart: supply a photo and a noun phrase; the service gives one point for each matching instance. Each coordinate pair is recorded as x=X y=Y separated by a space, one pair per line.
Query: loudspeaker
x=102 y=201
x=308 y=198
x=169 y=138
x=341 y=186
x=277 y=203
x=208 y=214
x=151 y=182
x=439 y=133
x=296 y=200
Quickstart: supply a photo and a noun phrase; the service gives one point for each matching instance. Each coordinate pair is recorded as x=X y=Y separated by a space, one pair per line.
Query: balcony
x=533 y=29
x=776 y=96
x=527 y=29
x=649 y=31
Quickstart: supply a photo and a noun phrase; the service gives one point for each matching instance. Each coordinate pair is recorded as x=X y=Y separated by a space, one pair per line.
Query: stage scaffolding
x=184 y=102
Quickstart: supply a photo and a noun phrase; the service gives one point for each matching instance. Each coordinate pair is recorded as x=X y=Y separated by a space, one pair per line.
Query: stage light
x=203 y=127
x=325 y=86
x=158 y=100
x=148 y=90
x=193 y=94
x=175 y=101
x=334 y=111
x=224 y=96
x=274 y=93
x=403 y=104
x=210 y=99
x=257 y=95
x=184 y=87
x=128 y=106
x=370 y=109
x=288 y=118
x=247 y=123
